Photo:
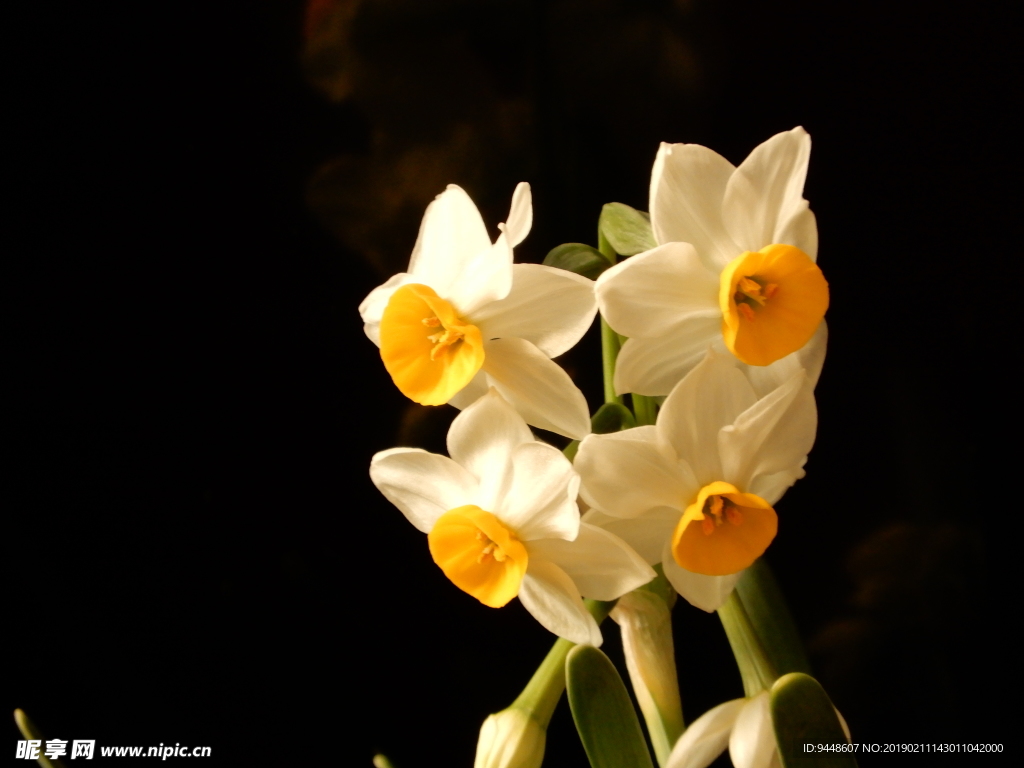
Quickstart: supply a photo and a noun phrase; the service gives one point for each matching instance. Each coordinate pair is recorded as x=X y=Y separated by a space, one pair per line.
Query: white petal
x=801 y=230
x=539 y=389
x=482 y=439
x=422 y=485
x=810 y=358
x=687 y=187
x=710 y=397
x=372 y=307
x=551 y=596
x=772 y=487
x=470 y=393
x=706 y=738
x=485 y=279
x=653 y=366
x=752 y=743
x=601 y=564
x=452 y=234
x=627 y=473
x=541 y=500
x=708 y=593
x=773 y=435
x=646 y=534
x=766 y=191
x=551 y=308
x=520 y=216
x=649 y=294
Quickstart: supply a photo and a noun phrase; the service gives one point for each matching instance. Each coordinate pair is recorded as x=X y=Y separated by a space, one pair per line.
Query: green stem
x=645 y=409
x=541 y=694
x=756 y=669
x=611 y=342
x=609 y=352
x=770 y=617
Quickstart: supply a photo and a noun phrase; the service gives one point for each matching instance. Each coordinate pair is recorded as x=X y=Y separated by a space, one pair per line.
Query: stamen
x=751 y=289
x=752 y=292
x=716 y=506
x=490 y=550
x=708 y=526
x=733 y=515
x=443 y=340
x=432 y=322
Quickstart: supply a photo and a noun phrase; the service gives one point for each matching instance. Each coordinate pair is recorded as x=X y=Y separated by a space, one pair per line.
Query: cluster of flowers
x=724 y=319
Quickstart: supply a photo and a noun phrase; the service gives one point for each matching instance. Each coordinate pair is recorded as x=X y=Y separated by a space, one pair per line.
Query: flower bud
x=510 y=739
x=646 y=625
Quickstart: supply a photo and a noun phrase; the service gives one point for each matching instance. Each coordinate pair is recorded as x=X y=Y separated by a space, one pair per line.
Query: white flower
x=502 y=520
x=511 y=738
x=464 y=318
x=744 y=725
x=734 y=267
x=695 y=491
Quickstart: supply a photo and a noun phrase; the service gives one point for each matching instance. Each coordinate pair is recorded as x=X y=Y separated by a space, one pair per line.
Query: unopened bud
x=510 y=739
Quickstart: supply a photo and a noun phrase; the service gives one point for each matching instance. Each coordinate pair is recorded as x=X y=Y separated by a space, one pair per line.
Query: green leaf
x=803 y=715
x=612 y=417
x=605 y=718
x=770 y=617
x=627 y=230
x=579 y=258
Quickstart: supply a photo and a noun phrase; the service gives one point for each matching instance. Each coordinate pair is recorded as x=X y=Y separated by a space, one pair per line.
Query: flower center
x=430 y=352
x=723 y=531
x=753 y=292
x=718 y=509
x=491 y=550
x=446 y=338
x=479 y=553
x=772 y=302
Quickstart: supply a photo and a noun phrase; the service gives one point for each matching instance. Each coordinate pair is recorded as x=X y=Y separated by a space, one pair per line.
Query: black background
x=195 y=552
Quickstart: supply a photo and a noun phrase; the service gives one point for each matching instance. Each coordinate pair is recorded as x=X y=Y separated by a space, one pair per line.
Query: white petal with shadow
x=422 y=485
x=602 y=565
x=648 y=295
x=551 y=597
x=551 y=308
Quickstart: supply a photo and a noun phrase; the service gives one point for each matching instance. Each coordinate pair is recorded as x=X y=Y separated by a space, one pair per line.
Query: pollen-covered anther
x=432 y=321
x=490 y=550
x=443 y=340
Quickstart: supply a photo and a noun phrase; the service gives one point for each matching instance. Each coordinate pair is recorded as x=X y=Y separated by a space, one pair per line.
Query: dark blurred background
x=200 y=197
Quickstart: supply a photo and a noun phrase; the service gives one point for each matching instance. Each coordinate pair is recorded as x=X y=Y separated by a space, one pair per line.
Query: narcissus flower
x=501 y=520
x=743 y=725
x=734 y=267
x=465 y=318
x=696 y=490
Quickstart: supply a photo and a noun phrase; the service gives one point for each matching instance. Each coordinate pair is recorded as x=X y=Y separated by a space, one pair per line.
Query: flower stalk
x=756 y=669
x=610 y=341
x=645 y=618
